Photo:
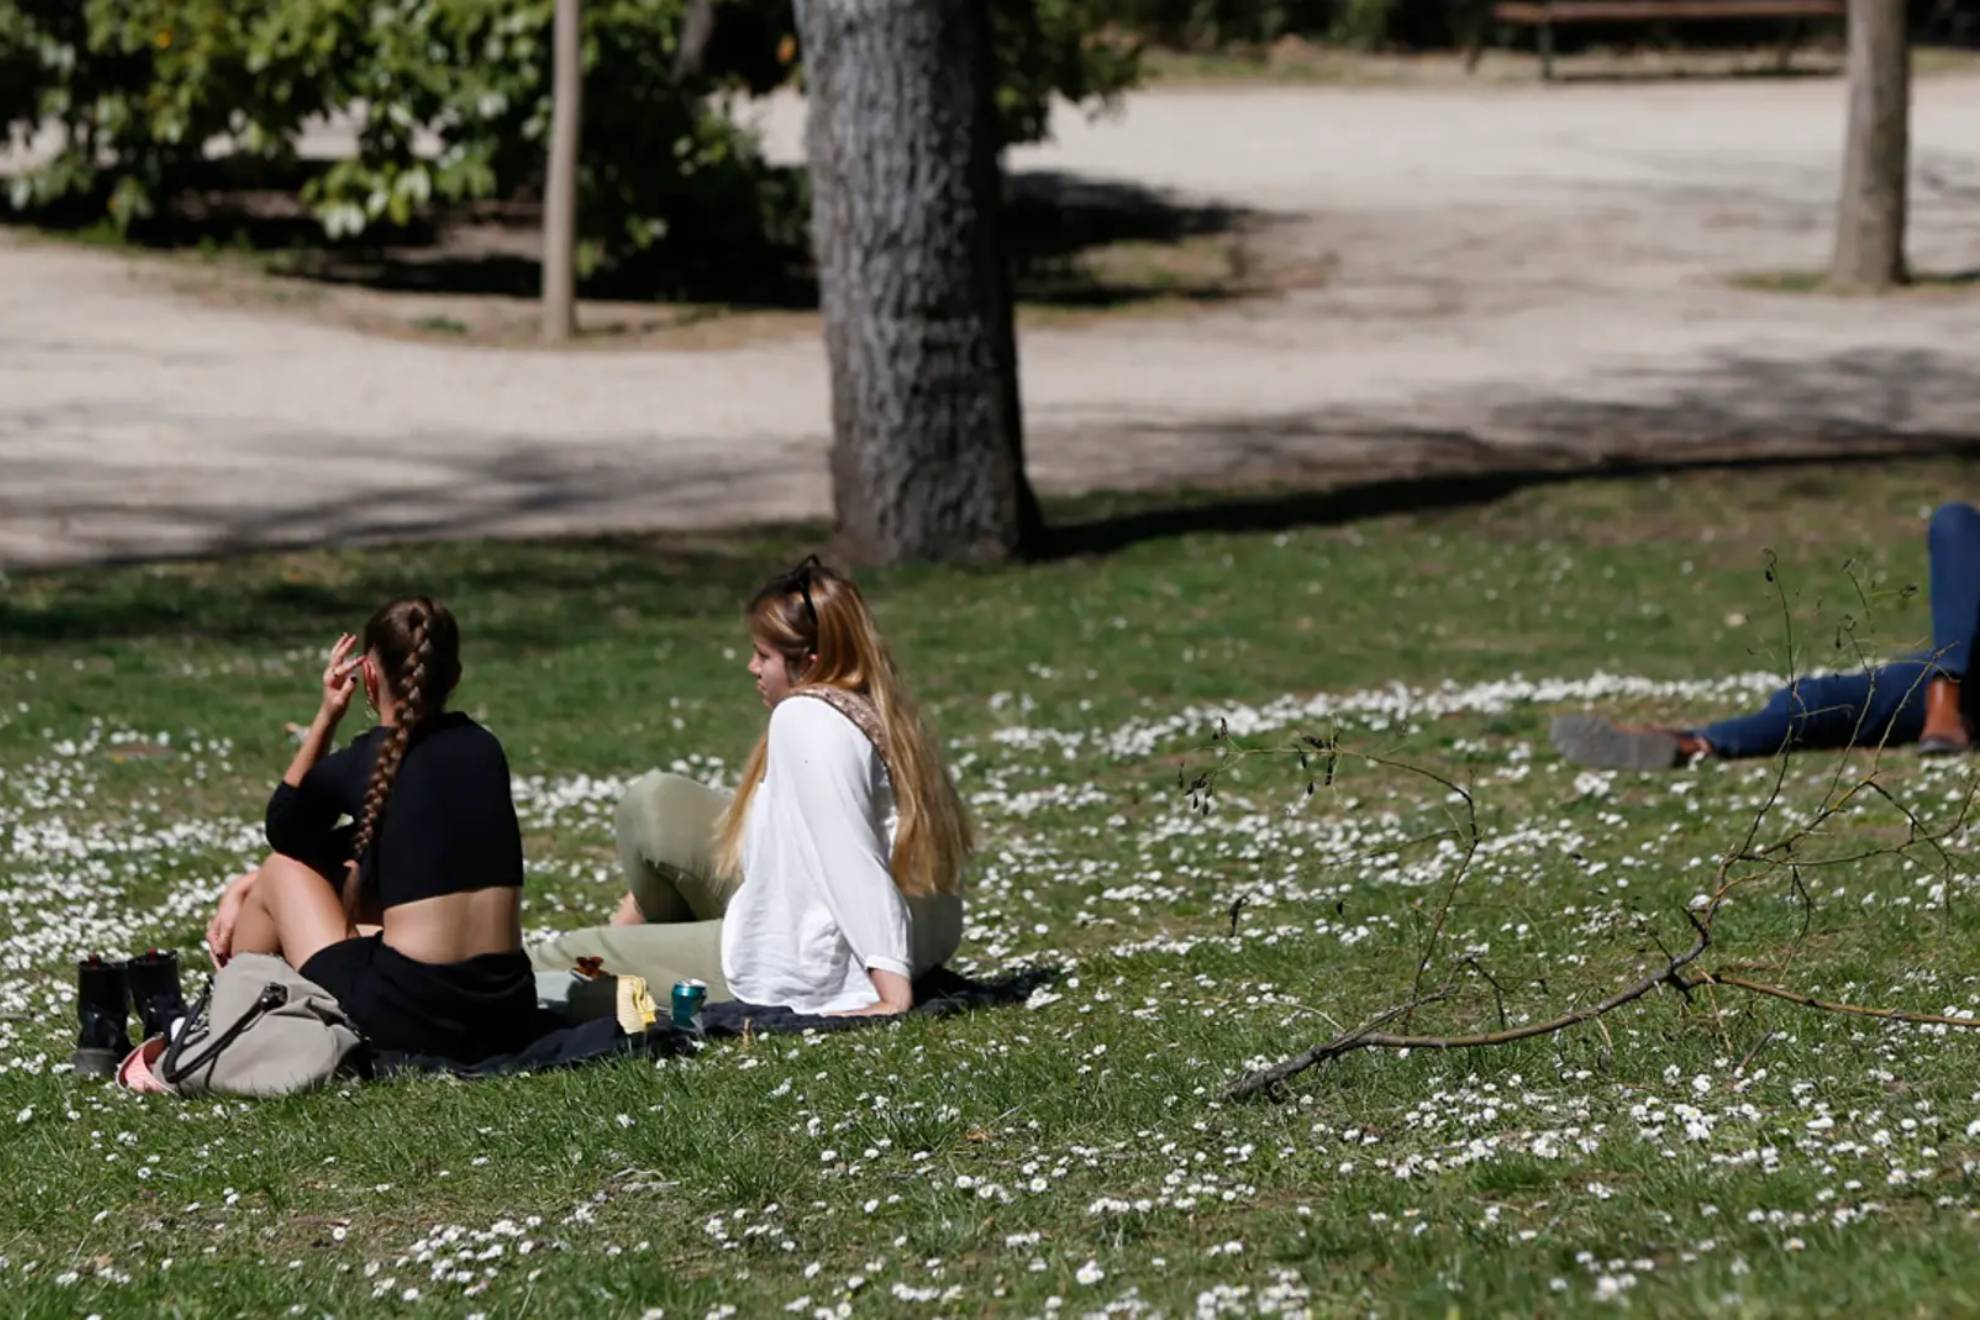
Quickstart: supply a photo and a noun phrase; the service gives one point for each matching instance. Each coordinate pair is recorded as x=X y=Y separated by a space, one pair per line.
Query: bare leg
x=291 y=911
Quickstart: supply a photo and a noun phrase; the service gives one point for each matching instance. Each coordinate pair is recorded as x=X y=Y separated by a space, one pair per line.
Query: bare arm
x=339 y=682
x=831 y=764
x=896 y=995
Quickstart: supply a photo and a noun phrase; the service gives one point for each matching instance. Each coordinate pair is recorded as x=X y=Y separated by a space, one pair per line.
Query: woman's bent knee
x=302 y=906
x=669 y=820
x=286 y=867
x=661 y=798
x=283 y=869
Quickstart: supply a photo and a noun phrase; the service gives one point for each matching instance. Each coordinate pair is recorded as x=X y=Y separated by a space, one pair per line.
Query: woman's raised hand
x=340 y=676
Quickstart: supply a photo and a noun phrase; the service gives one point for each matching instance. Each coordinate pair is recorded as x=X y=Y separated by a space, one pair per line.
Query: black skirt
x=465 y=1011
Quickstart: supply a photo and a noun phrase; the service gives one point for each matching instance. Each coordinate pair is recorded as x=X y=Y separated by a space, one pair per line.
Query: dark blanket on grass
x=941 y=993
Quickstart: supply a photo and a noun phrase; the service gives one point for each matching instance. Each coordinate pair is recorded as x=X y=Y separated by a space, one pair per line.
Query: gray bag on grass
x=261 y=1029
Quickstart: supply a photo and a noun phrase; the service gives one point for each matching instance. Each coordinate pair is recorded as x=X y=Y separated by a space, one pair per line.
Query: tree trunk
x=1869 y=253
x=560 y=187
x=927 y=453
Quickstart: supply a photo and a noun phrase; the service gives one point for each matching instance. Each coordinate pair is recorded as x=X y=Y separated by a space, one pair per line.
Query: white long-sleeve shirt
x=818 y=907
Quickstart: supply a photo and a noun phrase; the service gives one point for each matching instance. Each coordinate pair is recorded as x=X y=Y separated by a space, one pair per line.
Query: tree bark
x=1869 y=255
x=697 y=30
x=927 y=454
x=561 y=184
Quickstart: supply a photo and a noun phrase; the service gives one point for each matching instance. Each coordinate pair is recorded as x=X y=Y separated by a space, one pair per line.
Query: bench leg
x=1546 y=41
x=1785 y=60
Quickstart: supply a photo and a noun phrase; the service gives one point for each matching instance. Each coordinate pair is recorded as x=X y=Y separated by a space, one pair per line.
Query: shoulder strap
x=272 y=997
x=860 y=709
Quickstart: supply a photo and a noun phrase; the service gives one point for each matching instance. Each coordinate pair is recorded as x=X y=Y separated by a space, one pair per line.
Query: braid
x=410 y=685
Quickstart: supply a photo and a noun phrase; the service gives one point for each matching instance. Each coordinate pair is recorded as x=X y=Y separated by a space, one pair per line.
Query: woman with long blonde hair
x=831 y=879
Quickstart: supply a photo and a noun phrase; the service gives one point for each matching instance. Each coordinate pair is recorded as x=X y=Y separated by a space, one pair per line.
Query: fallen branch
x=1749 y=863
x=1265 y=1078
x=1367 y=1037
x=1806 y=1000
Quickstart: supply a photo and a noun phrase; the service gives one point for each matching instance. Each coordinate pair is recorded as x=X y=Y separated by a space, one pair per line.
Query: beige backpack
x=261 y=1029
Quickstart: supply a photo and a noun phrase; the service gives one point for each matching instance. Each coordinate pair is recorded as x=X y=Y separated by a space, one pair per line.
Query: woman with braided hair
x=411 y=914
x=832 y=879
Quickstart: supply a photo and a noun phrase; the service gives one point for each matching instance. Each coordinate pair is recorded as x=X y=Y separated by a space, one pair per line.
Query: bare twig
x=1498 y=991
x=1450 y=890
x=1748 y=863
x=1831 y=1006
x=1800 y=891
x=1765 y=1038
x=1269 y=1077
x=1923 y=835
x=1367 y=1037
x=1233 y=752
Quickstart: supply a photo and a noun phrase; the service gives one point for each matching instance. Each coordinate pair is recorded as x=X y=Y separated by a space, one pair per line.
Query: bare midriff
x=452 y=928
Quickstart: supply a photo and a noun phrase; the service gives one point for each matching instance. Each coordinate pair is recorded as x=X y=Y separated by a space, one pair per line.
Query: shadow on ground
x=492 y=249
x=1238 y=473
x=1194 y=512
x=1054 y=222
x=1628 y=77
x=1739 y=411
x=625 y=577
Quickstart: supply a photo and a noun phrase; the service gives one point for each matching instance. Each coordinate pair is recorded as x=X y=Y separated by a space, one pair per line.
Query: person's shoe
x=155 y=993
x=1593 y=741
x=103 y=1008
x=1945 y=727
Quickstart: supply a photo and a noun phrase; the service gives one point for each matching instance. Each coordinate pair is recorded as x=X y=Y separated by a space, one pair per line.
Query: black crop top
x=449 y=825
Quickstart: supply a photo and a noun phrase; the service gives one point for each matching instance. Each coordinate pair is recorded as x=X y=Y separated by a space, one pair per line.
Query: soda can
x=689 y=995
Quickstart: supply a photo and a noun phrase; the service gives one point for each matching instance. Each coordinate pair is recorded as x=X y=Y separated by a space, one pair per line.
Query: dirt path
x=1525 y=274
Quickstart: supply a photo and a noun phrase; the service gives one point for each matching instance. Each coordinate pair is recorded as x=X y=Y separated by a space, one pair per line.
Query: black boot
x=103 y=1006
x=154 y=980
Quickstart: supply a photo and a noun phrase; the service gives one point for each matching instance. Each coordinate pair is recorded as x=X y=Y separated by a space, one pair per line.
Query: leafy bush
x=139 y=89
x=1208 y=23
x=1057 y=47
x=450 y=102
x=661 y=167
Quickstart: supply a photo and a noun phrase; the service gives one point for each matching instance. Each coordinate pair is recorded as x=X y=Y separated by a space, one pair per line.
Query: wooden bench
x=1546 y=15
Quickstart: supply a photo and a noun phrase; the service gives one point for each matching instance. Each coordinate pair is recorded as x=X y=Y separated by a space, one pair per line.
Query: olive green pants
x=666 y=833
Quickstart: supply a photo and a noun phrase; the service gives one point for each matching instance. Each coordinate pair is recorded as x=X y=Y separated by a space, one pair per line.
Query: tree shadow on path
x=1740 y=412
x=493 y=248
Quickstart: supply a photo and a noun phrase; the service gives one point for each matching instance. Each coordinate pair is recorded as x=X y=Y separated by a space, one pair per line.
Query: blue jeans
x=1883 y=706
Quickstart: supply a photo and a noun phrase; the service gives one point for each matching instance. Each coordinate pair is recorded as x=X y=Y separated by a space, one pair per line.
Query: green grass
x=437 y=324
x=1726 y=1155
x=1817 y=281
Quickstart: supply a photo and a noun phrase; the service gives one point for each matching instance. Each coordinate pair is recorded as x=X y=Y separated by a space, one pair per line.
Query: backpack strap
x=858 y=708
x=272 y=997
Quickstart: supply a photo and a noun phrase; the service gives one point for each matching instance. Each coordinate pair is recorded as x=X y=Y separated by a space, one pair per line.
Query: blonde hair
x=818 y=622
